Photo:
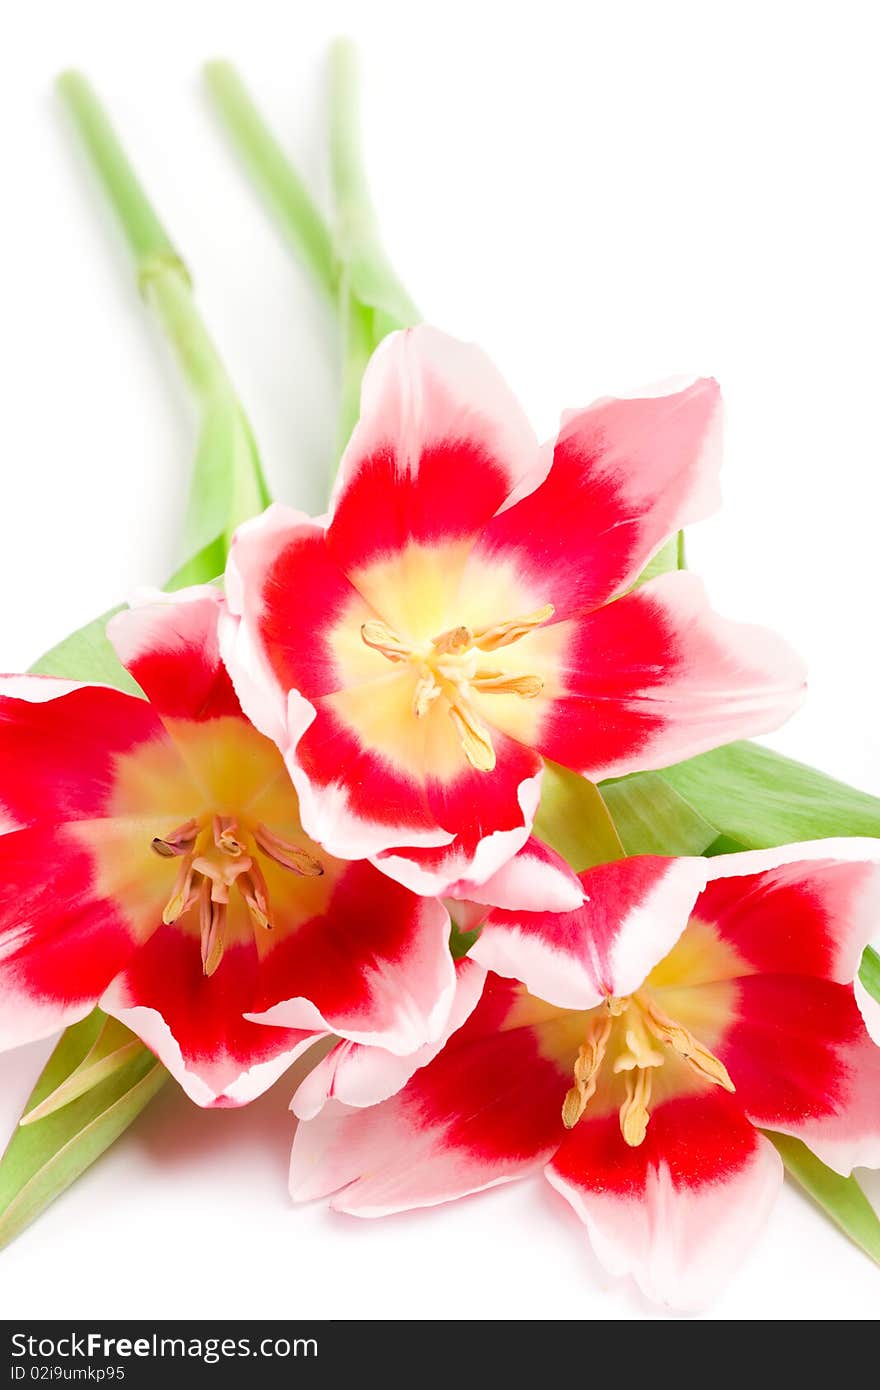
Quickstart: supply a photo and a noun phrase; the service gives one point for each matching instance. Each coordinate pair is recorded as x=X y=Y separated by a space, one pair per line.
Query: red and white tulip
x=153 y=862
x=686 y=1006
x=466 y=610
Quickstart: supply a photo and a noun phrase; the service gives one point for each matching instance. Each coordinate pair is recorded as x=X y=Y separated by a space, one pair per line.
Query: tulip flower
x=468 y=609
x=686 y=1006
x=154 y=863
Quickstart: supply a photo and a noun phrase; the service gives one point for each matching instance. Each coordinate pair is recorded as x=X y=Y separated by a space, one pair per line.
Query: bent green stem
x=227 y=484
x=299 y=219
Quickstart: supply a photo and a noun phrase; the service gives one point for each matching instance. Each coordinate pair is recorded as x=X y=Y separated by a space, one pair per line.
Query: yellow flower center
x=218 y=855
x=640 y=1037
x=450 y=669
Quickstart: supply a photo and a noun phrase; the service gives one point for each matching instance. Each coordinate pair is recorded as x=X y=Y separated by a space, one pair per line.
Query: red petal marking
x=657 y=676
x=703 y=1139
x=626 y=475
x=171 y=648
x=60 y=941
x=788 y=1049
x=680 y=1210
x=810 y=917
x=634 y=912
x=454 y=489
x=486 y=1110
x=331 y=754
x=440 y=446
x=376 y=962
x=360 y=1076
x=302 y=595
x=204 y=1014
x=59 y=755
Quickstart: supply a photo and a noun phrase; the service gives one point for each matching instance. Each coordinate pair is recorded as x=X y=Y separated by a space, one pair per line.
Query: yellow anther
x=179 y=900
x=383 y=639
x=178 y=842
x=698 y=1057
x=591 y=1055
x=456 y=640
x=287 y=854
x=634 y=1113
x=489 y=639
x=473 y=735
x=500 y=683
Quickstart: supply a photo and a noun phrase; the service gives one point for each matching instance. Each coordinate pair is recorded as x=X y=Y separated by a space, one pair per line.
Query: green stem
x=162 y=276
x=358 y=342
x=274 y=175
x=355 y=217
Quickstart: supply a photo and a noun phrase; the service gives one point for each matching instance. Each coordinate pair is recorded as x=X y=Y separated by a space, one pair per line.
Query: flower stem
x=227 y=483
x=272 y=172
x=162 y=276
x=355 y=218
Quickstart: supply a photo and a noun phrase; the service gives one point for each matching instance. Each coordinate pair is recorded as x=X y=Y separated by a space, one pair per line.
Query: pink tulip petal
x=806 y=909
x=169 y=644
x=59 y=745
x=61 y=938
x=440 y=447
x=359 y=1076
x=679 y=1211
x=626 y=475
x=485 y=1111
x=194 y=1023
x=634 y=912
x=375 y=968
x=657 y=677
x=803 y=1063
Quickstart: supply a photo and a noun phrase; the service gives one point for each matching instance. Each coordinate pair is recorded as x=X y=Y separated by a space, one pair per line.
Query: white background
x=602 y=195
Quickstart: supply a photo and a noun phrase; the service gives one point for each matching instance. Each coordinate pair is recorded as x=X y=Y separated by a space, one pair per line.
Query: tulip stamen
x=447 y=666
x=178 y=842
x=180 y=894
x=287 y=854
x=591 y=1055
x=635 y=1032
x=634 y=1113
x=489 y=639
x=689 y=1048
x=500 y=683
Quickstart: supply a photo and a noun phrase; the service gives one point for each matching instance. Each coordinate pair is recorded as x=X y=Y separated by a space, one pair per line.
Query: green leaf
x=44 y=1158
x=669 y=557
x=651 y=817
x=869 y=972
x=840 y=1198
x=574 y=820
x=761 y=799
x=227 y=482
x=460 y=942
x=112 y=1049
x=86 y=655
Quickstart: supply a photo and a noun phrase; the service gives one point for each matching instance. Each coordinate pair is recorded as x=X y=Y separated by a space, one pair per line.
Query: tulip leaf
x=42 y=1159
x=651 y=817
x=840 y=1198
x=227 y=482
x=669 y=557
x=574 y=820
x=86 y=655
x=869 y=972
x=114 y=1046
x=759 y=798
